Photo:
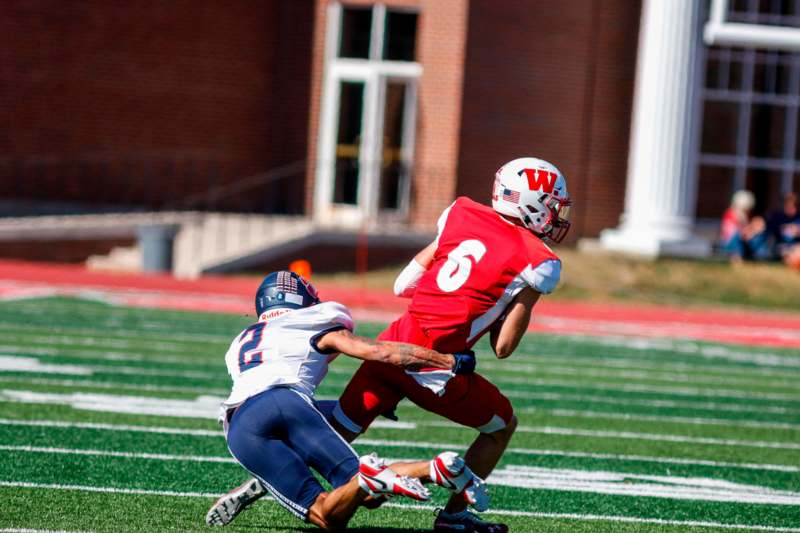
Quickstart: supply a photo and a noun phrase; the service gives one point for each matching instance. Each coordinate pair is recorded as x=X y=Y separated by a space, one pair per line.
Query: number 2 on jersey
x=253 y=334
x=455 y=272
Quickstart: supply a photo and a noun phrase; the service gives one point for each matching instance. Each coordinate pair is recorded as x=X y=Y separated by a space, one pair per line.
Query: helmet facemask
x=559 y=217
x=555 y=225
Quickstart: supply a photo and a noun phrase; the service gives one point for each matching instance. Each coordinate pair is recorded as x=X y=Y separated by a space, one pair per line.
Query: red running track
x=19 y=279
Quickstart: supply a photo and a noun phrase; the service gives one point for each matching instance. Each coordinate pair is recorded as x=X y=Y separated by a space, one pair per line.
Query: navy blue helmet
x=285 y=289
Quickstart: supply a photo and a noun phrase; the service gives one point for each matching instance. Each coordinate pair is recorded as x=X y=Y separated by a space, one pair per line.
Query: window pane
x=735 y=75
x=356 y=29
x=767 y=123
x=714 y=190
x=783 y=78
x=393 y=168
x=765 y=74
x=401 y=36
x=348 y=143
x=797 y=142
x=766 y=185
x=720 y=121
x=714 y=78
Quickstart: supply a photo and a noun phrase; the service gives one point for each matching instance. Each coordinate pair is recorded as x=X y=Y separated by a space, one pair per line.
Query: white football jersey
x=280 y=350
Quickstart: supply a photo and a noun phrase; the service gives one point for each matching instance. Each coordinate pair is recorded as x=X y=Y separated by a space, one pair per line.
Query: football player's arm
x=396 y=353
x=506 y=334
x=407 y=280
x=425 y=256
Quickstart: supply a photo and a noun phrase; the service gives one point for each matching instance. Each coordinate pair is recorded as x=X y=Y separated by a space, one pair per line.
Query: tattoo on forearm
x=415 y=357
x=399 y=353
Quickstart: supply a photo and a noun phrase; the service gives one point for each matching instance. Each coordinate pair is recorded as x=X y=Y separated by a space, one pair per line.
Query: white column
x=662 y=182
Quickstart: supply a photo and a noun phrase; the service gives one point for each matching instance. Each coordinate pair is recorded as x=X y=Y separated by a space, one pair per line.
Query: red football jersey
x=481 y=263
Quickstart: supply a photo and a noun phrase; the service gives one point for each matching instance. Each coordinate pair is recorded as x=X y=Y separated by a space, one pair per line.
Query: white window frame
x=374 y=72
x=753 y=36
x=719 y=31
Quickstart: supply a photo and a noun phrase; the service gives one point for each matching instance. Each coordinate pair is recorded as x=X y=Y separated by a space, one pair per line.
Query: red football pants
x=376 y=388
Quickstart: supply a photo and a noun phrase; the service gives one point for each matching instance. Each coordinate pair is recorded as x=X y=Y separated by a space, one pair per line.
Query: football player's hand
x=464 y=362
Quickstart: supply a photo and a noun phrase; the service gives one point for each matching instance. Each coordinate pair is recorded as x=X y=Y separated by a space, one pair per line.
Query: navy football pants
x=277 y=435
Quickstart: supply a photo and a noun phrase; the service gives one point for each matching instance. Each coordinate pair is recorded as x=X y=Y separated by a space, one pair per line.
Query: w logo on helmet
x=539 y=179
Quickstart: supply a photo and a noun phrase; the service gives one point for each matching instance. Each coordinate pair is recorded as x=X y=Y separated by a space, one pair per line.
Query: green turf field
x=107 y=423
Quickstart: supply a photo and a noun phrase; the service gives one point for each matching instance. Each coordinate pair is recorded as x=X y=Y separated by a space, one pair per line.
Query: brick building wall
x=146 y=102
x=549 y=78
x=443 y=42
x=552 y=79
x=149 y=101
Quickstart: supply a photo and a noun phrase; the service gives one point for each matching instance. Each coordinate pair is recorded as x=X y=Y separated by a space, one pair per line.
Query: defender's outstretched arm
x=397 y=353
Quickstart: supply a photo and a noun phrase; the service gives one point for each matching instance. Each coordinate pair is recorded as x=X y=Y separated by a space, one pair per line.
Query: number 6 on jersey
x=455 y=272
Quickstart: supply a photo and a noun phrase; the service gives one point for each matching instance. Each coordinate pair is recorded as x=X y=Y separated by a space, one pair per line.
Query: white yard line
x=593 y=398
x=411 y=444
x=105 y=355
x=688 y=376
x=107 y=490
x=199 y=407
x=620 y=519
x=509 y=393
x=112 y=427
x=125 y=455
x=658 y=437
x=725 y=422
x=208 y=407
x=17 y=363
x=628 y=366
x=121 y=333
x=653 y=459
x=637 y=363
x=429 y=508
x=640 y=485
x=22 y=353
x=104 y=341
x=650 y=388
x=682 y=346
x=26 y=530
x=13 y=362
x=737 y=354
x=115 y=385
x=619 y=457
x=540 y=478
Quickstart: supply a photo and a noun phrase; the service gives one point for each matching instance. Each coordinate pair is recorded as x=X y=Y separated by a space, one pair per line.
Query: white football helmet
x=535 y=192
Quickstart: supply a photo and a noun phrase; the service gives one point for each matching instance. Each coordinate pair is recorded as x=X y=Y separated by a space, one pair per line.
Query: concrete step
x=119 y=259
x=203 y=242
x=220 y=239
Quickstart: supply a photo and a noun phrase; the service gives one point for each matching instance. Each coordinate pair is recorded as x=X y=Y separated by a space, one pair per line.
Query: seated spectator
x=792 y=257
x=743 y=236
x=784 y=226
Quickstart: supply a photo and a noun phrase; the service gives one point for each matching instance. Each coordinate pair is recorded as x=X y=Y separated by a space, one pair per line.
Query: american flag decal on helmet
x=287 y=282
x=510 y=196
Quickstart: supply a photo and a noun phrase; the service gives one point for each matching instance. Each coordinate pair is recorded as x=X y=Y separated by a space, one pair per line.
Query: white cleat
x=448 y=470
x=228 y=506
x=377 y=480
